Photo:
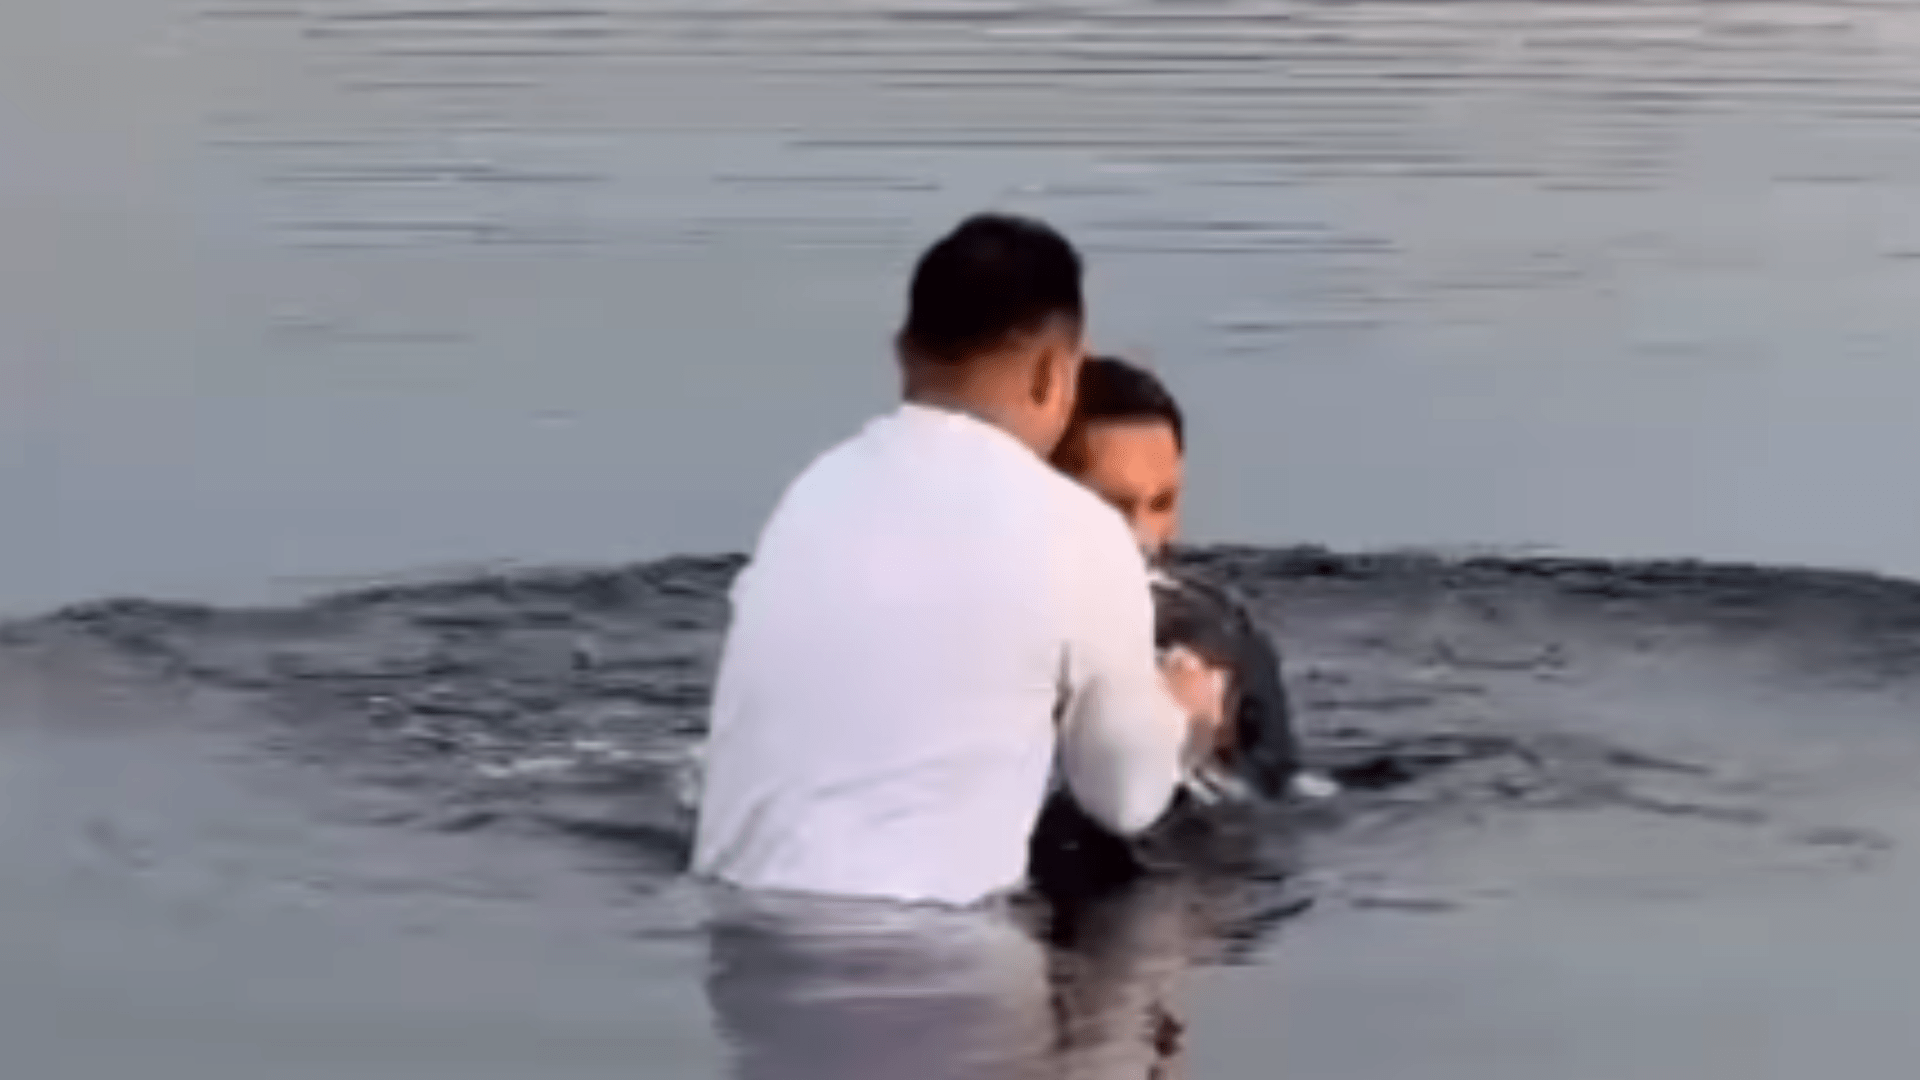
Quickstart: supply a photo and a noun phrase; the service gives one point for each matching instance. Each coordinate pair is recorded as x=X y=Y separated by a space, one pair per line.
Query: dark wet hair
x=993 y=276
x=1115 y=391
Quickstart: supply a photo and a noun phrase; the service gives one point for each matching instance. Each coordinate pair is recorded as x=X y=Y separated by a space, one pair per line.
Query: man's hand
x=1201 y=690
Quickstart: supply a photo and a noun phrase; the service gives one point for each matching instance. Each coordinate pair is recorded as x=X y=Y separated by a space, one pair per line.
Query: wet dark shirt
x=1069 y=853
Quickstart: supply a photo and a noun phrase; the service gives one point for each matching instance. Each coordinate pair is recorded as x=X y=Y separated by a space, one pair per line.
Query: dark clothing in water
x=1069 y=853
x=1206 y=619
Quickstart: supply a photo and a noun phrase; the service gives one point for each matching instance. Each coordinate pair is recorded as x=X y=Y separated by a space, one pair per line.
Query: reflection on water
x=841 y=990
x=587 y=281
x=867 y=992
x=1120 y=968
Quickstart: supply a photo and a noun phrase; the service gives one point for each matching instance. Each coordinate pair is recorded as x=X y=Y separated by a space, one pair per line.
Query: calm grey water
x=305 y=292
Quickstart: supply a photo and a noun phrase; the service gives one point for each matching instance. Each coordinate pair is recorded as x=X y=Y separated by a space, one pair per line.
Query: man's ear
x=1056 y=381
x=1046 y=374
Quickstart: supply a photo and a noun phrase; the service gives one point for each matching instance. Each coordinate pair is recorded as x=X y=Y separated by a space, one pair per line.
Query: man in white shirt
x=934 y=615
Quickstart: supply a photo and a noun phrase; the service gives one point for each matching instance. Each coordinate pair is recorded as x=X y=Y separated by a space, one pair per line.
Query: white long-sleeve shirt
x=931 y=612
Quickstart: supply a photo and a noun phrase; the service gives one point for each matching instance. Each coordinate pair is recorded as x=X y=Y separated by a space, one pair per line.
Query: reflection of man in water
x=838 y=989
x=933 y=611
x=825 y=989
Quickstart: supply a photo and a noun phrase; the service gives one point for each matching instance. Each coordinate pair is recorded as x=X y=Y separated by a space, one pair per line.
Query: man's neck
x=964 y=404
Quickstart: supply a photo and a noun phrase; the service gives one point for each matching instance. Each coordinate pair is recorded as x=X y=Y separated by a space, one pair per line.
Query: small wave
x=574 y=700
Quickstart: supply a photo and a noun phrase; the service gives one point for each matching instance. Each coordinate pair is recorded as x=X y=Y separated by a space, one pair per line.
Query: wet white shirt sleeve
x=1122 y=734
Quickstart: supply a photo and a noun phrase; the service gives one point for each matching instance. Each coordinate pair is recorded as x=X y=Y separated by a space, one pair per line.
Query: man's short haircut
x=1114 y=391
x=993 y=276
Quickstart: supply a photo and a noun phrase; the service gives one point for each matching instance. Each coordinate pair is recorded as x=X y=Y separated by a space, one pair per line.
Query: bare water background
x=299 y=290
x=302 y=294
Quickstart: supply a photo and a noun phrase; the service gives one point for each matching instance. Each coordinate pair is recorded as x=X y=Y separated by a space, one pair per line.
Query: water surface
x=1604 y=820
x=310 y=289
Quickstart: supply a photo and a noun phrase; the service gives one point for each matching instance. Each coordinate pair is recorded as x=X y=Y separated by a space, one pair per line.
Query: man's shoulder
x=1094 y=539
x=824 y=471
x=1078 y=507
x=803 y=513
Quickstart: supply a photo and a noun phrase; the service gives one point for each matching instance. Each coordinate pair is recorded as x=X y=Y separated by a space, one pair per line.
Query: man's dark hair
x=1114 y=391
x=993 y=276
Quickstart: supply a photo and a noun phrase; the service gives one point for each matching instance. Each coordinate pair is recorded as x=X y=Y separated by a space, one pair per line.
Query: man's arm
x=1123 y=734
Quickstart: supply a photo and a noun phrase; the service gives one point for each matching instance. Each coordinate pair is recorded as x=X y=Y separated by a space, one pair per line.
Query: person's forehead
x=1130 y=429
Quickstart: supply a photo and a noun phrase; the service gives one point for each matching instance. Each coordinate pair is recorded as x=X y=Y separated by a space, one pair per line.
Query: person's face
x=1136 y=466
